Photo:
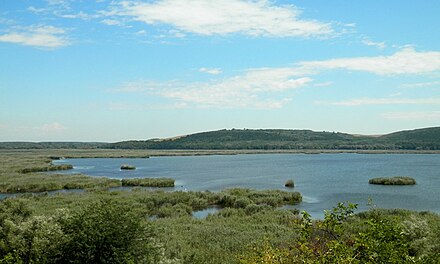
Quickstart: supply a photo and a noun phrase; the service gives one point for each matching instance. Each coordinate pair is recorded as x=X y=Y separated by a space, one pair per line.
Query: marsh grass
x=47 y=168
x=21 y=171
x=241 y=198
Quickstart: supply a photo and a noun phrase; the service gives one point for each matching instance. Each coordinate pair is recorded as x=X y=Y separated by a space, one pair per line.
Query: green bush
x=106 y=232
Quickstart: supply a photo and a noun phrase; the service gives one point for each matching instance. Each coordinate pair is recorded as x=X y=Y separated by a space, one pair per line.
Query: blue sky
x=109 y=70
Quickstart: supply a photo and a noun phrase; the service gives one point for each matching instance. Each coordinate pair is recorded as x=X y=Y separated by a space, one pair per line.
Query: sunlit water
x=323 y=180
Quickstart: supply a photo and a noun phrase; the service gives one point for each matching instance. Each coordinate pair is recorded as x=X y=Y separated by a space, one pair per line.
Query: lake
x=322 y=179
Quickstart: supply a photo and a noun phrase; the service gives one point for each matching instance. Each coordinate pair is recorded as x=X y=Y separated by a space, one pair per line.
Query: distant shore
x=129 y=153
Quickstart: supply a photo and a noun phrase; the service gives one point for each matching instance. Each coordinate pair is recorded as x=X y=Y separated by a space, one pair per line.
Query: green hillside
x=426 y=139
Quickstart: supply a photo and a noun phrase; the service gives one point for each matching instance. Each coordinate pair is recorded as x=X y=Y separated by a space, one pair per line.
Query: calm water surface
x=323 y=180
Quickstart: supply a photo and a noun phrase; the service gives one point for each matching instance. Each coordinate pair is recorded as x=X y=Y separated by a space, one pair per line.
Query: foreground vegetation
x=116 y=227
x=400 y=180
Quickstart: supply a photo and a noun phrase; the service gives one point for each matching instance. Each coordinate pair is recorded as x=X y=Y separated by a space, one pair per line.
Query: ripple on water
x=308 y=199
x=83 y=167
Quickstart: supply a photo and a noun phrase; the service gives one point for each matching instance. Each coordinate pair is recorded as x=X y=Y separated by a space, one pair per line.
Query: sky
x=111 y=70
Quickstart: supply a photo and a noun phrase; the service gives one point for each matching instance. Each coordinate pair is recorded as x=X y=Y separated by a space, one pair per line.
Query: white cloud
x=267 y=87
x=213 y=71
x=80 y=15
x=141 y=33
x=50 y=128
x=405 y=61
x=37 y=36
x=37 y=10
x=254 y=18
x=64 y=3
x=257 y=88
x=380 y=45
x=427 y=115
x=142 y=107
x=323 y=84
x=421 y=84
x=111 y=22
x=388 y=101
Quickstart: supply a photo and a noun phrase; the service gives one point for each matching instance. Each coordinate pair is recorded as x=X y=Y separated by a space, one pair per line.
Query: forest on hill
x=420 y=139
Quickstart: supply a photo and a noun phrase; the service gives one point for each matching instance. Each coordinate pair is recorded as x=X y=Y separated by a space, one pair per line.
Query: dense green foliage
x=344 y=238
x=264 y=139
x=106 y=232
x=101 y=232
x=399 y=180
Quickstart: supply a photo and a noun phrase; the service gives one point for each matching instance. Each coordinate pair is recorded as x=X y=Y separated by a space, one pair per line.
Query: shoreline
x=137 y=153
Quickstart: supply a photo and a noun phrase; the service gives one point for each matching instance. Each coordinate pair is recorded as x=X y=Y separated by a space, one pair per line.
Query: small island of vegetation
x=148 y=182
x=289 y=184
x=127 y=167
x=43 y=168
x=393 y=181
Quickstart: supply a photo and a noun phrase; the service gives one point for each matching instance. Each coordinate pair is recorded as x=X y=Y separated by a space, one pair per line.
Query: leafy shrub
x=242 y=202
x=106 y=232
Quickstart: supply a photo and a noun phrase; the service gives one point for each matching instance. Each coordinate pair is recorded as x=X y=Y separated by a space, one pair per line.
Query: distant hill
x=425 y=138
x=422 y=139
x=419 y=139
